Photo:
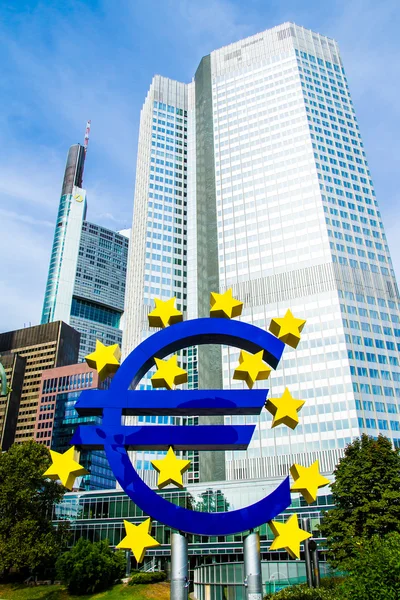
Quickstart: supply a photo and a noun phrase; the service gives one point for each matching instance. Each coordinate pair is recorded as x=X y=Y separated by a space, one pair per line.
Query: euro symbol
x=122 y=399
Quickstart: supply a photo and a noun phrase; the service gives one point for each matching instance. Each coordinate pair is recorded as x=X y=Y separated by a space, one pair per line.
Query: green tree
x=374 y=571
x=28 y=539
x=366 y=495
x=90 y=567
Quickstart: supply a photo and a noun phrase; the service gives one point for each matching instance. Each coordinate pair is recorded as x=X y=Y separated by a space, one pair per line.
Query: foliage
x=28 y=539
x=366 y=495
x=158 y=591
x=90 y=567
x=154 y=577
x=303 y=592
x=374 y=572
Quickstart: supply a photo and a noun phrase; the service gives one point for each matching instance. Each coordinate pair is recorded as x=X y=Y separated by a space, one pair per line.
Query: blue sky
x=65 y=61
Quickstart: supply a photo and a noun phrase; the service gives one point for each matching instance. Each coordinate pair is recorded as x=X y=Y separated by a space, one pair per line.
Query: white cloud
x=63 y=74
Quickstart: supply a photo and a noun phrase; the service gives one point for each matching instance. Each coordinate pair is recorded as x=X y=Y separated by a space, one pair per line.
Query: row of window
x=67 y=382
x=383 y=424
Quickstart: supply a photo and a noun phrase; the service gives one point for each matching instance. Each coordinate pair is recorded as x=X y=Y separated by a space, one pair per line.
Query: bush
x=155 y=577
x=332 y=582
x=303 y=592
x=90 y=567
x=374 y=572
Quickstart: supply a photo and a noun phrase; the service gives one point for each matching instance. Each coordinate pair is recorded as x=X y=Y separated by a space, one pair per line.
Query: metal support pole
x=315 y=562
x=179 y=567
x=307 y=555
x=252 y=567
x=128 y=563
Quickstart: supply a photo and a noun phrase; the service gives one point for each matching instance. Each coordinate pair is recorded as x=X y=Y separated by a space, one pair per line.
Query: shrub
x=302 y=592
x=155 y=577
x=90 y=567
x=374 y=572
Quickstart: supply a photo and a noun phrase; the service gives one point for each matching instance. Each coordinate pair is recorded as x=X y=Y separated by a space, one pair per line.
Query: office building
x=41 y=347
x=281 y=208
x=14 y=369
x=157 y=252
x=57 y=420
x=86 y=279
x=98 y=298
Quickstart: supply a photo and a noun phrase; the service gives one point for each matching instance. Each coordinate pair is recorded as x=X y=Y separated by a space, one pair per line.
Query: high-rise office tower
x=281 y=207
x=158 y=251
x=158 y=254
x=39 y=348
x=86 y=280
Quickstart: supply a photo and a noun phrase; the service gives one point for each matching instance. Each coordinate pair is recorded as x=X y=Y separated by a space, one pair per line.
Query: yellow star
x=168 y=373
x=164 y=313
x=138 y=539
x=65 y=467
x=251 y=368
x=224 y=306
x=287 y=329
x=284 y=409
x=307 y=480
x=288 y=536
x=170 y=469
x=105 y=359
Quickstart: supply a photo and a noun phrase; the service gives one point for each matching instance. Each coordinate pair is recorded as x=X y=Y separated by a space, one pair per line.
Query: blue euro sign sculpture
x=122 y=399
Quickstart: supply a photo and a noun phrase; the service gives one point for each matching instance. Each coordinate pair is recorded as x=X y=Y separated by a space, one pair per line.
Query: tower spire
x=85 y=146
x=87 y=132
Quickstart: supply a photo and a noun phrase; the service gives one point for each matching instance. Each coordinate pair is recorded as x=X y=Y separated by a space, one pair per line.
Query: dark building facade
x=42 y=347
x=14 y=367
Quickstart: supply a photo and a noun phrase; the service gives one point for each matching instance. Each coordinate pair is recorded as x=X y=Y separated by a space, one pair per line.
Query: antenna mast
x=87 y=132
x=85 y=147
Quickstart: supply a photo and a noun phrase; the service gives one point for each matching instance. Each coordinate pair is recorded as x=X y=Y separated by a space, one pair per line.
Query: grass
x=154 y=591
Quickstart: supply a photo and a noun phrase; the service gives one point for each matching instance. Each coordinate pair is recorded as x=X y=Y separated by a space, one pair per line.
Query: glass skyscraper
x=57 y=420
x=280 y=207
x=86 y=280
x=158 y=249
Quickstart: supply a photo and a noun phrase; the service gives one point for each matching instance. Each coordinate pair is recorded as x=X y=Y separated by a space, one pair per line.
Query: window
x=95 y=312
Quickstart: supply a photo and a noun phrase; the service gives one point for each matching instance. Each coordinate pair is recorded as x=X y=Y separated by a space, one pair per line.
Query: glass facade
x=66 y=420
x=282 y=209
x=99 y=516
x=57 y=420
x=86 y=280
x=299 y=227
x=99 y=290
x=88 y=310
x=158 y=252
x=71 y=212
